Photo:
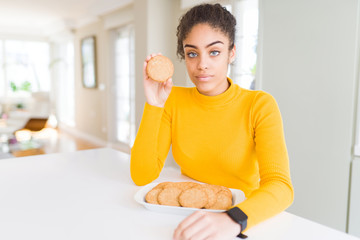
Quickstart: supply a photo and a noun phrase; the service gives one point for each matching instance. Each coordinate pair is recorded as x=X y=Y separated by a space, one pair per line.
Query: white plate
x=237 y=195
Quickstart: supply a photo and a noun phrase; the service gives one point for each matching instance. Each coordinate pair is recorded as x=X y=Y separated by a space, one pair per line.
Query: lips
x=203 y=77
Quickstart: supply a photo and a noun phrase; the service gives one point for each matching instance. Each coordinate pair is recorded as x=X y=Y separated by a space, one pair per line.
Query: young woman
x=220 y=133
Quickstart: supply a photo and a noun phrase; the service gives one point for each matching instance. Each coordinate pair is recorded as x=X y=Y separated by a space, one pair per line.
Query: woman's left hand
x=207 y=225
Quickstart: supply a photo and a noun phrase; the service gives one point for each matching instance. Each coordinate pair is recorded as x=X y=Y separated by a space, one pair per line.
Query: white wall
x=307 y=62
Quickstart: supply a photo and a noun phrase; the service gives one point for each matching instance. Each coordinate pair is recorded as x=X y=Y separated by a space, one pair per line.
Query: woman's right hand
x=156 y=93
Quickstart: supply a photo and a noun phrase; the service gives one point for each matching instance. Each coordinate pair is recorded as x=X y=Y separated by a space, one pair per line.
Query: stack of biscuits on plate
x=191 y=195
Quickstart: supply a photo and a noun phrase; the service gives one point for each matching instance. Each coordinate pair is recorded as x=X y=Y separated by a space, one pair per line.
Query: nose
x=203 y=63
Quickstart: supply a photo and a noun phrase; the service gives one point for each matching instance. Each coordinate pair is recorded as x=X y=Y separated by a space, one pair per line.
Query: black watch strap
x=239 y=217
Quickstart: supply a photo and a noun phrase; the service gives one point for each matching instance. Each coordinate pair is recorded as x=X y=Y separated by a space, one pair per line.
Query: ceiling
x=44 y=17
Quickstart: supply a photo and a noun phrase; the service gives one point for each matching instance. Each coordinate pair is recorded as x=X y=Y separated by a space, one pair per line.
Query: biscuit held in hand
x=160 y=68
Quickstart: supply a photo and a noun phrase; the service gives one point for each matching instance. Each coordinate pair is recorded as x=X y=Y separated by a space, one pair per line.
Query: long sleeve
x=275 y=193
x=151 y=146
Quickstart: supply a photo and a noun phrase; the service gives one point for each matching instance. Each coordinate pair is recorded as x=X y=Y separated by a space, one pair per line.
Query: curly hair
x=213 y=14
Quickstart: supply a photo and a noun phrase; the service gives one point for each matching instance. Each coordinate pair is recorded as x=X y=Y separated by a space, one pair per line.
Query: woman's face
x=207 y=57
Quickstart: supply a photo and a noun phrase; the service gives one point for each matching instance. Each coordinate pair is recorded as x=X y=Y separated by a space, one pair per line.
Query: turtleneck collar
x=218 y=100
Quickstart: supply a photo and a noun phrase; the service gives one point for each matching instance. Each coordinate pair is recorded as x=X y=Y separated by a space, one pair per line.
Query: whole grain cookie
x=223 y=200
x=218 y=188
x=169 y=196
x=194 y=197
x=164 y=185
x=152 y=195
x=226 y=191
x=211 y=195
x=186 y=185
x=160 y=68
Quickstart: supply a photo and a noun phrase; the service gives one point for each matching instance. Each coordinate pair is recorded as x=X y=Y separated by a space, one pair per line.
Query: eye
x=191 y=54
x=214 y=53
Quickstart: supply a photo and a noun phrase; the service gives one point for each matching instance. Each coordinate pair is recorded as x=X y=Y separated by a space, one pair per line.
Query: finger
x=198 y=230
x=168 y=85
x=144 y=68
x=186 y=223
x=201 y=232
x=146 y=77
x=145 y=65
x=192 y=218
x=150 y=56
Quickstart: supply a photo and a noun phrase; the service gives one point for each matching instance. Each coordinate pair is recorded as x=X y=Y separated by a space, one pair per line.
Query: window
x=124 y=85
x=242 y=71
x=25 y=68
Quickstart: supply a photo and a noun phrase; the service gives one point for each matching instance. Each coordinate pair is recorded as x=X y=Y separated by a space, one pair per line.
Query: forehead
x=203 y=34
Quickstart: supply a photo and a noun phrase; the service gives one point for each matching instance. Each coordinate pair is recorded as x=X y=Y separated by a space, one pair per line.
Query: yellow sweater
x=234 y=139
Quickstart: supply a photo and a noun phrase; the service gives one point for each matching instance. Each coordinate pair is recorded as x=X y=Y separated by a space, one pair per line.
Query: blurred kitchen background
x=71 y=79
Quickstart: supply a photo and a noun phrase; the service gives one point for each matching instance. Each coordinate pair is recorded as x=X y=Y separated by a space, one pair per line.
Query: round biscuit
x=223 y=201
x=211 y=195
x=160 y=68
x=152 y=195
x=226 y=190
x=193 y=198
x=186 y=185
x=218 y=188
x=164 y=185
x=169 y=196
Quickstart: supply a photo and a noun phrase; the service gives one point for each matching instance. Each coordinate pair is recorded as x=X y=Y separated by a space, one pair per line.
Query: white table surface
x=90 y=195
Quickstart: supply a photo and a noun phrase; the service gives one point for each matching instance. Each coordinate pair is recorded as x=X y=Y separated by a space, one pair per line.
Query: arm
x=276 y=192
x=151 y=145
x=153 y=139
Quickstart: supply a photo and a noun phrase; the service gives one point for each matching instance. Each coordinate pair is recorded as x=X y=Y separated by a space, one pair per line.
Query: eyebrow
x=209 y=45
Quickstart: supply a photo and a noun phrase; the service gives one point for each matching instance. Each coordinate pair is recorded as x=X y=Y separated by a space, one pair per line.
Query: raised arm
x=153 y=139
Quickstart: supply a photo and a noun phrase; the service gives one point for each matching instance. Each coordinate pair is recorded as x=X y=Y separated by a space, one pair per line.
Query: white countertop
x=90 y=195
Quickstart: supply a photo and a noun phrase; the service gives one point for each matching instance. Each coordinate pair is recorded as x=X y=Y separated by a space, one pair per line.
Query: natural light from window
x=243 y=70
x=25 y=68
x=124 y=82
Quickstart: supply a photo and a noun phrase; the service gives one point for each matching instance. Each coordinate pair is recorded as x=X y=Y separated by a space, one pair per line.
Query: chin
x=205 y=90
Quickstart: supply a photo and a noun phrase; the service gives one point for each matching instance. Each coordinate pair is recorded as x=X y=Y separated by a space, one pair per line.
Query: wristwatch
x=239 y=217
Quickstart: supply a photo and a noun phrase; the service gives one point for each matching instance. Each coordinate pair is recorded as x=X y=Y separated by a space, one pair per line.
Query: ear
x=232 y=54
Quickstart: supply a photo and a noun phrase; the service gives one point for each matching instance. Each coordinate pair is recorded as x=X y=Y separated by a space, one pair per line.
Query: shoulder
x=254 y=93
x=259 y=101
x=264 y=106
x=256 y=97
x=265 y=97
